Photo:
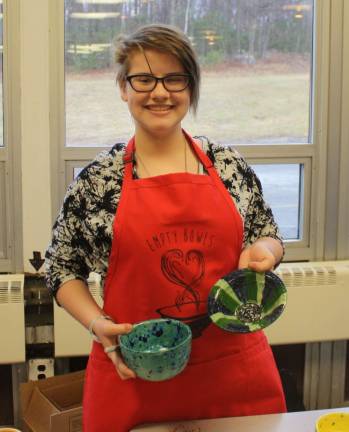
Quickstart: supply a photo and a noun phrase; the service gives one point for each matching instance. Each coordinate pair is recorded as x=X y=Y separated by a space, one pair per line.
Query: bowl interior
x=245 y=301
x=333 y=422
x=156 y=336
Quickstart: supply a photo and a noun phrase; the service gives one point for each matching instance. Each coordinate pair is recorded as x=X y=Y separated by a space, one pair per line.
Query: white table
x=304 y=421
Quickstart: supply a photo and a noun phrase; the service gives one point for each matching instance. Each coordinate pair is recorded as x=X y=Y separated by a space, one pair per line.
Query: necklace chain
x=138 y=158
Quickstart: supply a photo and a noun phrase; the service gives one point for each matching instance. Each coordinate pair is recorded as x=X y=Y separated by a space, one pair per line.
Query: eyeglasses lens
x=144 y=83
x=176 y=82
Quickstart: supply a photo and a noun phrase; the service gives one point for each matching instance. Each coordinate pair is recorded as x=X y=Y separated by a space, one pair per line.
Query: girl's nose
x=159 y=91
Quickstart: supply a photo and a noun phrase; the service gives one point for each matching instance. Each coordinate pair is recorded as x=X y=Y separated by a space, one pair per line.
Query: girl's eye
x=175 y=79
x=144 y=79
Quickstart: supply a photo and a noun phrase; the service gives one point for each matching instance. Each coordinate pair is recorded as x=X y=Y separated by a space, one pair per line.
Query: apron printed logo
x=187 y=235
x=184 y=270
x=158 y=241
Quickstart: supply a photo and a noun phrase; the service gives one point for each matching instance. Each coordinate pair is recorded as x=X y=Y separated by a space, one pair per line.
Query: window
x=256 y=59
x=285 y=196
x=262 y=83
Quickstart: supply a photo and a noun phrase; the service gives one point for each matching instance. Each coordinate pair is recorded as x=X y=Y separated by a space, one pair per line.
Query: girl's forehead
x=160 y=62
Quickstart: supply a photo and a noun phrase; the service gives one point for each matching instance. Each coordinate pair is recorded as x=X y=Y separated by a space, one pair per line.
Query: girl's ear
x=123 y=91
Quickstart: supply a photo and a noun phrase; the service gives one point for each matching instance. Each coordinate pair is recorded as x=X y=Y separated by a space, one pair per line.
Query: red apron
x=174 y=236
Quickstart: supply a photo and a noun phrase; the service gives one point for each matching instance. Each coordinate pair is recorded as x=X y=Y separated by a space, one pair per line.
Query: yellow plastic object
x=334 y=422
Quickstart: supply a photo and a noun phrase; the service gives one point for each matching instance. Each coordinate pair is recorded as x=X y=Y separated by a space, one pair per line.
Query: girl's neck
x=150 y=145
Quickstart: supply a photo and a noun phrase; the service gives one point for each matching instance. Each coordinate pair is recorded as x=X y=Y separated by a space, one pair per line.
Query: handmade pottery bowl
x=245 y=301
x=157 y=350
x=8 y=429
x=333 y=422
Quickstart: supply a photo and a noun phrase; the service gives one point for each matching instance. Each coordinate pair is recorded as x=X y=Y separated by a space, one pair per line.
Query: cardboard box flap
x=58 y=380
x=44 y=401
x=71 y=421
x=37 y=406
x=26 y=391
x=65 y=396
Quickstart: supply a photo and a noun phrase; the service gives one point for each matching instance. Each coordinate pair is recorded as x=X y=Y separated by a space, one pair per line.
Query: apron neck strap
x=128 y=158
x=130 y=149
x=201 y=155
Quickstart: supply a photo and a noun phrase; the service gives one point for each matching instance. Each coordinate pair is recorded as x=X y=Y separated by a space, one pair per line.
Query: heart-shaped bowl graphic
x=245 y=301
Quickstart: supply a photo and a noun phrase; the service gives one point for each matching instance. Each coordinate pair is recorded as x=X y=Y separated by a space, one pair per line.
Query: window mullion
x=276 y=151
x=10 y=154
x=343 y=218
x=334 y=130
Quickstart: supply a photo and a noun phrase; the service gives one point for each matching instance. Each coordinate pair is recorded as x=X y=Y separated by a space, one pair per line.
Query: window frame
x=10 y=153
x=301 y=246
x=318 y=213
x=337 y=226
x=343 y=219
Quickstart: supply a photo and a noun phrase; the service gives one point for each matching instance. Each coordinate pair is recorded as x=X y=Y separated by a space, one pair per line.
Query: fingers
x=260 y=263
x=109 y=349
x=107 y=333
x=123 y=371
x=243 y=260
x=261 y=266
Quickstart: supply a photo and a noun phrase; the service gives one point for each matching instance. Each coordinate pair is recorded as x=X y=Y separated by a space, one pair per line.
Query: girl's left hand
x=257 y=257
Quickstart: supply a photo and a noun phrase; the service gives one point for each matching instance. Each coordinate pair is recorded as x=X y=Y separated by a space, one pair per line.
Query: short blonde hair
x=162 y=38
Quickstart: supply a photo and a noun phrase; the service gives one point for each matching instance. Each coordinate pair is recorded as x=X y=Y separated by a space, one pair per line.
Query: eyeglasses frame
x=157 y=79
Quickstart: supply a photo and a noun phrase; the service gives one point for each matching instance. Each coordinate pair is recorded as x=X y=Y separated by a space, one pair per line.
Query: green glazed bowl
x=245 y=301
x=157 y=350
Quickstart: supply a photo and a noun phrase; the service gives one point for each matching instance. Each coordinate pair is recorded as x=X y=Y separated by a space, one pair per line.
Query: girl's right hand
x=107 y=332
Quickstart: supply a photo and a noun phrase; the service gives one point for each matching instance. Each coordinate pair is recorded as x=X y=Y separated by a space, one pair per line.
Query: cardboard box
x=53 y=404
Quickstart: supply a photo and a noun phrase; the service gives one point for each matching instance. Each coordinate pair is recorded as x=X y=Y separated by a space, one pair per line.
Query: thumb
x=243 y=260
x=114 y=329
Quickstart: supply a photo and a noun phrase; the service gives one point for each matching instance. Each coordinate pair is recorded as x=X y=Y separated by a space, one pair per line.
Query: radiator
x=316 y=310
x=12 y=324
x=317 y=304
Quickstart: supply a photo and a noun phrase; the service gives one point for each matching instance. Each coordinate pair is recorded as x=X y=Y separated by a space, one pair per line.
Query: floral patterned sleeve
x=82 y=234
x=64 y=259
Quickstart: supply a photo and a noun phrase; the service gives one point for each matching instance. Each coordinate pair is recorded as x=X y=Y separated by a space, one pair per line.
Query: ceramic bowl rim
x=11 y=428
x=240 y=273
x=165 y=350
x=328 y=415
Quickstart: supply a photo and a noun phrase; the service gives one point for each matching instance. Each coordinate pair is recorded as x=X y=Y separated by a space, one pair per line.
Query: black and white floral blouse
x=83 y=231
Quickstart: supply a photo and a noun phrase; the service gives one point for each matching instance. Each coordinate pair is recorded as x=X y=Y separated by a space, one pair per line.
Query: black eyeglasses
x=144 y=83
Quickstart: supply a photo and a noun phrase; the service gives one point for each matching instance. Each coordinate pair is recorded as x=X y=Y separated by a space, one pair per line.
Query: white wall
x=35 y=142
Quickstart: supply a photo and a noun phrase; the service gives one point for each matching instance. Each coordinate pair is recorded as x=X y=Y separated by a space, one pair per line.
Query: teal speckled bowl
x=157 y=350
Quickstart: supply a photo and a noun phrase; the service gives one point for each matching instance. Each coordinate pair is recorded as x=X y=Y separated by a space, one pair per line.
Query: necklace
x=138 y=158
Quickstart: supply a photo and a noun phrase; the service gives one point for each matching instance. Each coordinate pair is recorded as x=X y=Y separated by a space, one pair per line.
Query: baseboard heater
x=12 y=327
x=317 y=308
x=317 y=305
